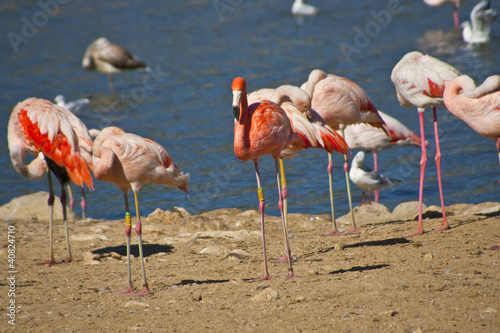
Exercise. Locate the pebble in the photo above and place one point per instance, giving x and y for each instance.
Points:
(266, 295)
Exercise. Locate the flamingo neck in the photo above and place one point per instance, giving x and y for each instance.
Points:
(34, 170)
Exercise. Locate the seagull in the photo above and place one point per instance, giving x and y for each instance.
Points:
(368, 179)
(73, 106)
(479, 28)
(300, 8)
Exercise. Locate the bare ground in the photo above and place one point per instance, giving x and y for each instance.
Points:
(197, 267)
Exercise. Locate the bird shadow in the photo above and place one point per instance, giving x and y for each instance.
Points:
(147, 249)
(382, 242)
(359, 269)
(192, 282)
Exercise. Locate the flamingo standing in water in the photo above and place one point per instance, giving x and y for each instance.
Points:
(420, 81)
(478, 107)
(108, 58)
(340, 102)
(261, 128)
(374, 139)
(311, 129)
(455, 3)
(129, 161)
(60, 141)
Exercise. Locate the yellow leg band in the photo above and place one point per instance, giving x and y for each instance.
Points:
(282, 171)
(128, 220)
(260, 193)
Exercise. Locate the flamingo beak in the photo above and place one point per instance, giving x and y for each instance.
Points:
(236, 104)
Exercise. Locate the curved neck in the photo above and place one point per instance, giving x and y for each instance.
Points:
(34, 171)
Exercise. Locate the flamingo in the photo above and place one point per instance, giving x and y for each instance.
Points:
(311, 129)
(455, 3)
(60, 142)
(129, 161)
(340, 102)
(301, 8)
(367, 179)
(108, 58)
(479, 28)
(261, 129)
(478, 107)
(373, 139)
(420, 81)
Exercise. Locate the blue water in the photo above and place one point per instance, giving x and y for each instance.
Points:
(195, 51)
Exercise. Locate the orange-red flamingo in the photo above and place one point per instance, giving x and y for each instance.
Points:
(311, 129)
(261, 129)
(374, 139)
(454, 3)
(129, 161)
(478, 107)
(420, 81)
(340, 102)
(108, 58)
(60, 141)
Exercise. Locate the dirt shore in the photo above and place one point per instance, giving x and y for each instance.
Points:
(198, 267)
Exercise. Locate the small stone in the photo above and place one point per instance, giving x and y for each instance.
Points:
(116, 255)
(266, 295)
(136, 304)
(90, 258)
(428, 257)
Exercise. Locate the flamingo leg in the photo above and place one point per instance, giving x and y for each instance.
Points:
(50, 202)
(65, 218)
(110, 80)
(455, 16)
(71, 199)
(262, 205)
(354, 229)
(283, 195)
(138, 231)
(335, 231)
(128, 230)
(83, 203)
(423, 162)
(438, 165)
(375, 167)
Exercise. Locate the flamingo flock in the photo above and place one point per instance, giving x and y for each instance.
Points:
(327, 112)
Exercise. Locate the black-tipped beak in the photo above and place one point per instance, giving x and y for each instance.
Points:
(236, 112)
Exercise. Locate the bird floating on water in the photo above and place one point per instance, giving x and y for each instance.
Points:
(301, 8)
(109, 58)
(73, 106)
(478, 29)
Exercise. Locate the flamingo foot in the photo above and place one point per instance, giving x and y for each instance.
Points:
(280, 260)
(416, 233)
(444, 227)
(493, 247)
(50, 262)
(351, 232)
(143, 292)
(266, 277)
(334, 232)
(67, 260)
(291, 276)
(129, 290)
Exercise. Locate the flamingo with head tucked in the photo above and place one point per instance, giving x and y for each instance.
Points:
(420, 81)
(478, 107)
(129, 161)
(60, 142)
(340, 102)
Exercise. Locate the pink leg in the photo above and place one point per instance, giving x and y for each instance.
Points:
(65, 219)
(423, 162)
(438, 165)
(138, 231)
(128, 231)
(375, 167)
(262, 206)
(455, 16)
(50, 202)
(354, 229)
(283, 194)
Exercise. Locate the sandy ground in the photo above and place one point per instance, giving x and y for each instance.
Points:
(198, 267)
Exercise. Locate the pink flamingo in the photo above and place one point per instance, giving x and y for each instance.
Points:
(340, 102)
(455, 3)
(60, 141)
(108, 58)
(420, 82)
(261, 129)
(478, 107)
(373, 139)
(311, 129)
(129, 161)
